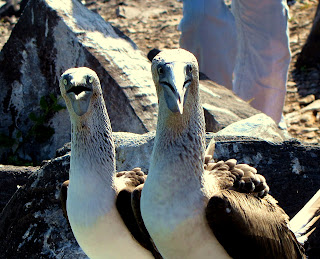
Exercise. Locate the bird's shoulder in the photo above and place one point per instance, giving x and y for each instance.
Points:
(239, 177)
(129, 179)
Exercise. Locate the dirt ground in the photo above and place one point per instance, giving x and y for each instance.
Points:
(153, 24)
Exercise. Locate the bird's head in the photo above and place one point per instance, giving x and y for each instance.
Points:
(176, 77)
(78, 86)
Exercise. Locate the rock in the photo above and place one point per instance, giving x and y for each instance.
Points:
(11, 179)
(291, 84)
(50, 37)
(260, 126)
(308, 99)
(314, 106)
(222, 107)
(291, 108)
(307, 117)
(133, 150)
(12, 7)
(293, 117)
(32, 224)
(127, 12)
(120, 12)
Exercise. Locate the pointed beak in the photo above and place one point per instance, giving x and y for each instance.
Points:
(173, 80)
(180, 107)
(180, 104)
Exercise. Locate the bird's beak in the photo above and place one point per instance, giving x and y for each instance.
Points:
(79, 92)
(173, 80)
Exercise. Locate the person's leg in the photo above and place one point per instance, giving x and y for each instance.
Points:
(263, 57)
(208, 31)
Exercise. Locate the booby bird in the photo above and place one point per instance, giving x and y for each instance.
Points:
(191, 212)
(103, 214)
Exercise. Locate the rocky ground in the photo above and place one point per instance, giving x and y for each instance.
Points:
(153, 24)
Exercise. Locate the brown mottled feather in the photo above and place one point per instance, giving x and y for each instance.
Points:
(135, 202)
(239, 177)
(230, 213)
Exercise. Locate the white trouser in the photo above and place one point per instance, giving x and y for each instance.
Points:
(249, 45)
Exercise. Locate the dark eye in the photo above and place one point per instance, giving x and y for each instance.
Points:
(160, 70)
(189, 69)
(89, 79)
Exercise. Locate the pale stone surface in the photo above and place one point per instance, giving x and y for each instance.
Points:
(259, 126)
(308, 99)
(50, 37)
(221, 106)
(314, 106)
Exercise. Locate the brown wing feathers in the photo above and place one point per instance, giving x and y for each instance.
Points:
(128, 205)
(135, 203)
(230, 213)
(238, 220)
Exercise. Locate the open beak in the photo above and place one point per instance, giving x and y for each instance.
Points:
(79, 91)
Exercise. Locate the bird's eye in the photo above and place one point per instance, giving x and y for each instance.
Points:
(160, 70)
(189, 69)
(65, 81)
(89, 80)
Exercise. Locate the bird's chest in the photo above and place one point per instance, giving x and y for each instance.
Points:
(191, 238)
(99, 229)
(165, 208)
(105, 238)
(88, 199)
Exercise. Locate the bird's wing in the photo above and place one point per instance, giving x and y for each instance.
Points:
(63, 198)
(239, 177)
(128, 205)
(307, 219)
(135, 202)
(250, 227)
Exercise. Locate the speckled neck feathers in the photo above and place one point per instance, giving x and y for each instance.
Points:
(92, 137)
(176, 137)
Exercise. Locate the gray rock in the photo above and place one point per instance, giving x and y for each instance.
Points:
(222, 107)
(133, 150)
(11, 179)
(32, 224)
(50, 37)
(260, 126)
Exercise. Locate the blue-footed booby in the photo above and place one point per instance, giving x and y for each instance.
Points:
(104, 215)
(191, 212)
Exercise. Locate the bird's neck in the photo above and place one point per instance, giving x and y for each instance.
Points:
(180, 142)
(174, 181)
(92, 148)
